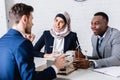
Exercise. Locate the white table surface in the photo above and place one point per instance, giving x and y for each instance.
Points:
(86, 74)
(80, 74)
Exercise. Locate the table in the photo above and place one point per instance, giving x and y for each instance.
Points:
(80, 74)
(86, 74)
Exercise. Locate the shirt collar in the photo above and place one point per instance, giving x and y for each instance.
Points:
(103, 35)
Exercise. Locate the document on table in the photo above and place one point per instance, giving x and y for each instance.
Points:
(112, 71)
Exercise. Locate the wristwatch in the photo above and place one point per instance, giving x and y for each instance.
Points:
(92, 64)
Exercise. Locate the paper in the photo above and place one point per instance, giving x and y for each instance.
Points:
(39, 61)
(112, 71)
(69, 56)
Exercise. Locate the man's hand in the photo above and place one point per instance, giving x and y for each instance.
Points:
(30, 37)
(79, 54)
(81, 63)
(60, 62)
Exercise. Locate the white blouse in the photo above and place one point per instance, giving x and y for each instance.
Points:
(58, 45)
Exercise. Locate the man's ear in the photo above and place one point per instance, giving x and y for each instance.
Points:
(24, 19)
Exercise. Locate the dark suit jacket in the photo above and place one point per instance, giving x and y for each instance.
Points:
(16, 59)
(47, 40)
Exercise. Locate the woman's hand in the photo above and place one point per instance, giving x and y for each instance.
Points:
(46, 55)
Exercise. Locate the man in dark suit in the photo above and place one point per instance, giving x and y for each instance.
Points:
(16, 51)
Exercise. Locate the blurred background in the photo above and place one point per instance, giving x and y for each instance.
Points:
(81, 13)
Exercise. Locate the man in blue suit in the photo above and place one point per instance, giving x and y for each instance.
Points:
(16, 52)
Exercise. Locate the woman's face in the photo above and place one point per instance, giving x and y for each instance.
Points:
(59, 24)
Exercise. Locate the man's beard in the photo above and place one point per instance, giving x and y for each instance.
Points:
(28, 30)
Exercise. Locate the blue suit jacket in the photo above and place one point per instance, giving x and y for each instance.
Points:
(16, 59)
(47, 40)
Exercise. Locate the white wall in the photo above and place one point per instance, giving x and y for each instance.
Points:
(81, 14)
(3, 21)
(9, 4)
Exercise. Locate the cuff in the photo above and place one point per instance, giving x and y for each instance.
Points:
(55, 68)
(95, 63)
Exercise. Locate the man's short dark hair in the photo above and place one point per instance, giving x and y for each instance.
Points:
(18, 10)
(104, 15)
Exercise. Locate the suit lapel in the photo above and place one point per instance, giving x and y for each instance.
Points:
(65, 45)
(104, 42)
(51, 43)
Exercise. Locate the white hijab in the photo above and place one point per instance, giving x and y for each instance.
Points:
(65, 31)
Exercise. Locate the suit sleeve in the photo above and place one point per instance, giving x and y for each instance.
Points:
(114, 59)
(39, 45)
(24, 59)
(74, 40)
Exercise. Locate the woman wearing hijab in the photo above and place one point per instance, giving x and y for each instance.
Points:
(57, 40)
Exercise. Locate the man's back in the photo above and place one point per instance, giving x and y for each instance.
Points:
(10, 57)
(16, 52)
(17, 59)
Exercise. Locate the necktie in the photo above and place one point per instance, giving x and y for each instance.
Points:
(99, 46)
